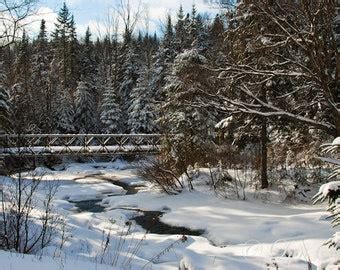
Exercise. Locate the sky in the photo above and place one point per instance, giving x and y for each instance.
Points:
(93, 13)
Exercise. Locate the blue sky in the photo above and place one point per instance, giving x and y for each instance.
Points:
(93, 13)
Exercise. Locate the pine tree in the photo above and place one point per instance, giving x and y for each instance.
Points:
(41, 96)
(168, 39)
(85, 109)
(110, 111)
(87, 62)
(61, 106)
(180, 30)
(216, 42)
(105, 55)
(66, 49)
(4, 103)
(194, 125)
(193, 26)
(61, 40)
(198, 33)
(73, 57)
(142, 112)
(64, 113)
(216, 31)
(22, 111)
(182, 87)
(162, 63)
(129, 78)
(89, 72)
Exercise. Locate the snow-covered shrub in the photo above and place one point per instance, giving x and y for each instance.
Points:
(181, 151)
(115, 242)
(161, 173)
(225, 185)
(28, 223)
(331, 191)
(192, 173)
(191, 128)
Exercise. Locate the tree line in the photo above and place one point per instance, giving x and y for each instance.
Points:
(64, 84)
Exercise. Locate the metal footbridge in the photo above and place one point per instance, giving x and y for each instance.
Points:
(40, 145)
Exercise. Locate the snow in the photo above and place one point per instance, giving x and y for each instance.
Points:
(336, 141)
(336, 240)
(255, 220)
(225, 123)
(250, 234)
(13, 261)
(330, 160)
(325, 189)
(88, 190)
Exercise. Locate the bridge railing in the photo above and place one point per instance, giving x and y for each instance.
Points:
(78, 144)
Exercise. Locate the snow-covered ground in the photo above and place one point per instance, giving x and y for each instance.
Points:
(251, 234)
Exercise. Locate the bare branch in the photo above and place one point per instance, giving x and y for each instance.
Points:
(13, 14)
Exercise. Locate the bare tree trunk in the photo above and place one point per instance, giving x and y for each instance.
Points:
(264, 155)
(337, 121)
(264, 148)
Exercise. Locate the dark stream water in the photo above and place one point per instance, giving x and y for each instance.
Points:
(148, 220)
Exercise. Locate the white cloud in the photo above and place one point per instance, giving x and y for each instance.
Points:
(34, 21)
(86, 12)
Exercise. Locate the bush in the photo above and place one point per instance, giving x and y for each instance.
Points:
(331, 191)
(26, 226)
(162, 174)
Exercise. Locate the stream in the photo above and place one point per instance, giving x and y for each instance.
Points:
(148, 220)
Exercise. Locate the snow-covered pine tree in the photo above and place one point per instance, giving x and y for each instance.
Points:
(87, 62)
(106, 55)
(85, 109)
(60, 103)
(142, 112)
(169, 36)
(215, 40)
(89, 72)
(66, 50)
(60, 42)
(194, 125)
(162, 63)
(22, 111)
(260, 61)
(110, 111)
(180, 34)
(4, 103)
(198, 34)
(129, 72)
(39, 80)
(73, 57)
(64, 113)
(331, 191)
(183, 87)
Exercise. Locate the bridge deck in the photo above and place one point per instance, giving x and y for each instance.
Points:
(35, 145)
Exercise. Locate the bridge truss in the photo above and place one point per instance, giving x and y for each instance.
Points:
(39, 145)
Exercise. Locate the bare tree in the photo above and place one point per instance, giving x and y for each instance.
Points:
(109, 27)
(223, 4)
(300, 48)
(130, 13)
(13, 18)
(282, 64)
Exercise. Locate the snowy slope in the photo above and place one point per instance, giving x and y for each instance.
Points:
(238, 234)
